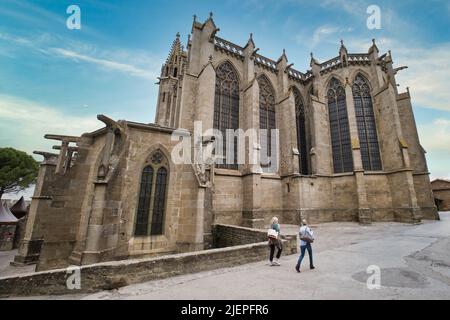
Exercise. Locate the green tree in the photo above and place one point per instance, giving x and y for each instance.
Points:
(18, 170)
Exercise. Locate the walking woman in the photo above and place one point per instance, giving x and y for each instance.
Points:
(275, 242)
(306, 238)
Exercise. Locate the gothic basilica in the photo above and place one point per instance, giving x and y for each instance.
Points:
(348, 151)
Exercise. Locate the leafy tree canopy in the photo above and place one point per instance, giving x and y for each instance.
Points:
(18, 170)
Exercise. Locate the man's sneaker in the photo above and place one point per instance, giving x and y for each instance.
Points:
(276, 263)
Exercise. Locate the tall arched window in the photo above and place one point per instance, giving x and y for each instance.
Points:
(339, 128)
(266, 120)
(367, 130)
(301, 132)
(226, 109)
(152, 196)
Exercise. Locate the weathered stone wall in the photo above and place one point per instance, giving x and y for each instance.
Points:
(20, 232)
(7, 233)
(379, 197)
(110, 275)
(228, 198)
(61, 217)
(425, 199)
(228, 235)
(410, 134)
(142, 144)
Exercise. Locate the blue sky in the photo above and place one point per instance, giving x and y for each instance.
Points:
(56, 80)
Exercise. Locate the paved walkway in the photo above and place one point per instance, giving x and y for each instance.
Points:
(414, 262)
(7, 270)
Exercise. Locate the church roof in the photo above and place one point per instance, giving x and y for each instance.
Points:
(20, 208)
(269, 64)
(442, 180)
(6, 217)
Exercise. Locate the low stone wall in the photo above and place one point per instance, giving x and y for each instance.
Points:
(228, 236)
(111, 275)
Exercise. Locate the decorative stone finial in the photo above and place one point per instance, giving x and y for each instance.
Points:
(195, 18)
(251, 36)
(210, 15)
(373, 42)
(178, 35)
(312, 56)
(342, 42)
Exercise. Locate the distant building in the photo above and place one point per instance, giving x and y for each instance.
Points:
(441, 191)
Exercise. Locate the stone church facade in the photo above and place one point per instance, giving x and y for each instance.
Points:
(349, 151)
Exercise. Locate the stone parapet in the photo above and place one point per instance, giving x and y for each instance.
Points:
(111, 275)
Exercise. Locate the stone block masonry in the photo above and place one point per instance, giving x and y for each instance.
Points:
(228, 236)
(111, 275)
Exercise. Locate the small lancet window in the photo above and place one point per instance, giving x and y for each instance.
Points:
(152, 200)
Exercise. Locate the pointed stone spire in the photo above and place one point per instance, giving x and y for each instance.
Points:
(313, 60)
(210, 20)
(373, 51)
(343, 49)
(172, 67)
(249, 57)
(283, 57)
(343, 54)
(315, 66)
(373, 47)
(250, 42)
(175, 50)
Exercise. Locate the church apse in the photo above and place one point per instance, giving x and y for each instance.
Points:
(348, 146)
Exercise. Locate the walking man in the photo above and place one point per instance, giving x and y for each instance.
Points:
(306, 238)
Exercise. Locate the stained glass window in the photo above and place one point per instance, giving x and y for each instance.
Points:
(144, 201)
(152, 196)
(301, 132)
(367, 130)
(339, 128)
(266, 120)
(226, 109)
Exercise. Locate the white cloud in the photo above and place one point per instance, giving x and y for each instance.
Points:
(134, 63)
(428, 75)
(435, 136)
(357, 8)
(104, 63)
(23, 124)
(324, 33)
